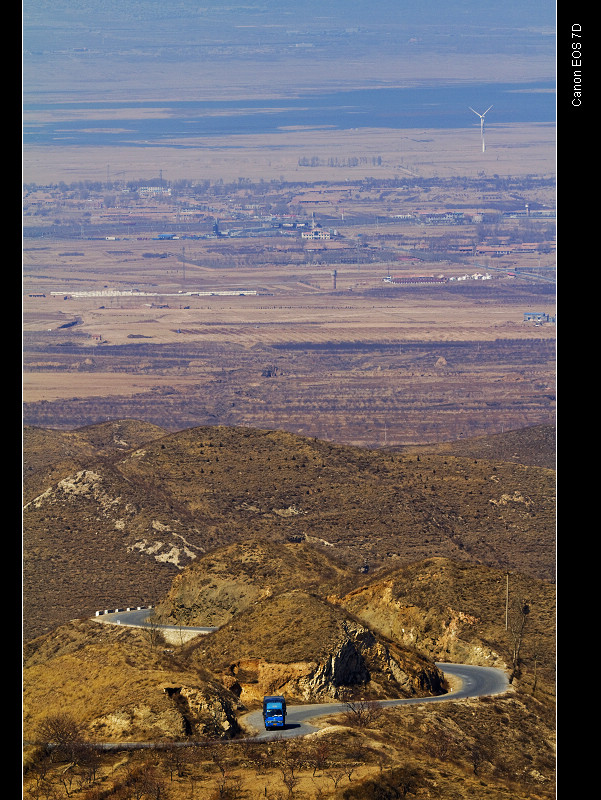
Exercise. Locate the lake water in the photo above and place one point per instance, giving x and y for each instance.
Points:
(417, 107)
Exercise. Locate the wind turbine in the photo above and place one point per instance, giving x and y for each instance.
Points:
(481, 124)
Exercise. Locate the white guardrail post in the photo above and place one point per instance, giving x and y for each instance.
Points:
(119, 610)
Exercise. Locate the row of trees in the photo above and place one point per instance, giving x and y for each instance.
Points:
(205, 186)
(66, 765)
(352, 161)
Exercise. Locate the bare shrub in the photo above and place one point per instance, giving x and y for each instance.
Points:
(362, 713)
(399, 782)
(61, 734)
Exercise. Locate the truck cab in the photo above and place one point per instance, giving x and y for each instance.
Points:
(274, 712)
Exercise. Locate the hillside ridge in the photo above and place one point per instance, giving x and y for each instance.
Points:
(115, 525)
(380, 640)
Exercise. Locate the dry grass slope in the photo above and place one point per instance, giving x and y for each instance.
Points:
(120, 685)
(115, 531)
(231, 579)
(112, 681)
(277, 525)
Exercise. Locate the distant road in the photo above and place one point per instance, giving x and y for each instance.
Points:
(470, 681)
(139, 619)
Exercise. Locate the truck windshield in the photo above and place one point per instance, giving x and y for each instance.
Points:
(274, 707)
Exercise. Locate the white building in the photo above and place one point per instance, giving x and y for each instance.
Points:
(316, 234)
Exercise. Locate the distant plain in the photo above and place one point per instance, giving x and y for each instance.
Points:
(204, 363)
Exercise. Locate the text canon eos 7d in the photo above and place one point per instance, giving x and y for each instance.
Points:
(577, 62)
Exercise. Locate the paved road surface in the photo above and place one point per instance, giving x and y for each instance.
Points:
(474, 682)
(139, 619)
(470, 681)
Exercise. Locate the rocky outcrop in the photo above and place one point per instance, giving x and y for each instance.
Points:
(174, 713)
(444, 633)
(358, 663)
(345, 667)
(143, 721)
(204, 711)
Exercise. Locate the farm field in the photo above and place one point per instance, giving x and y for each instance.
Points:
(259, 326)
(511, 150)
(129, 252)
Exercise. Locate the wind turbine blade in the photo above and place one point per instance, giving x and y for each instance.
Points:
(487, 110)
(475, 112)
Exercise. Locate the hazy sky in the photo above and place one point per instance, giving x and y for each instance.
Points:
(137, 47)
(510, 13)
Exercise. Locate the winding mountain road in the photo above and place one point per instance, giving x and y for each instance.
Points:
(472, 681)
(469, 681)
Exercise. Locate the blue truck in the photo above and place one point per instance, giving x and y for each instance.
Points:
(274, 712)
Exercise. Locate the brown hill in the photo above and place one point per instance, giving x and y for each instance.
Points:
(121, 684)
(231, 579)
(381, 637)
(299, 645)
(118, 685)
(535, 447)
(465, 613)
(50, 455)
(277, 605)
(116, 530)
